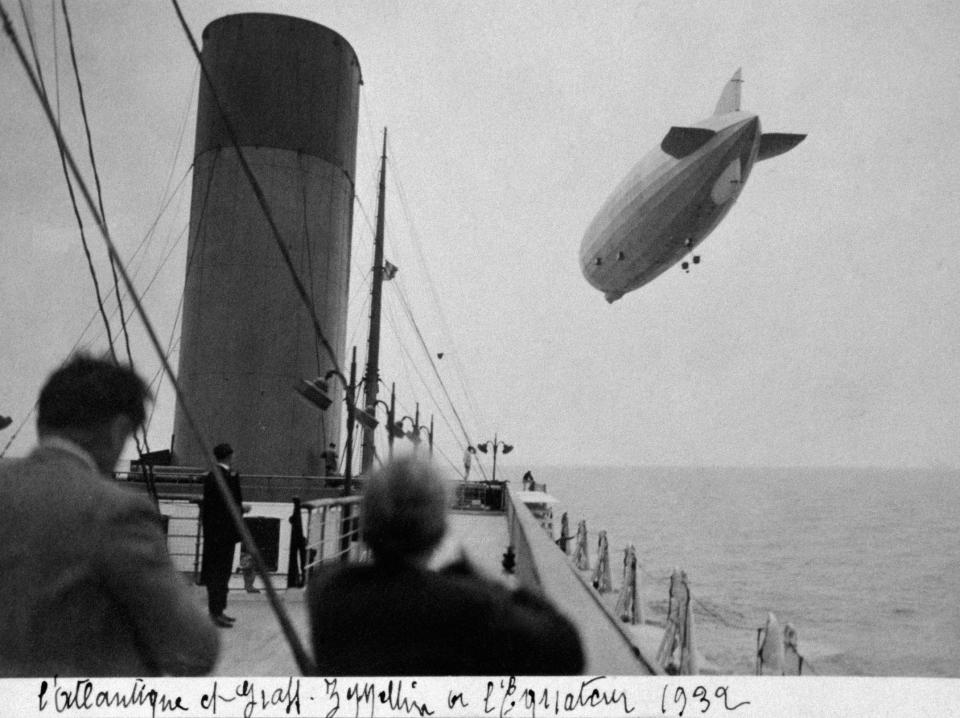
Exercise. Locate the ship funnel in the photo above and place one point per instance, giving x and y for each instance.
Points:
(290, 91)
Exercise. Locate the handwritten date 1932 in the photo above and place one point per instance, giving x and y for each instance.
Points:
(699, 699)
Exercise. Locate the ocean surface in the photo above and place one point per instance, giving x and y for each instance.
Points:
(864, 563)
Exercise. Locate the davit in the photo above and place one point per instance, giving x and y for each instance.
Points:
(674, 197)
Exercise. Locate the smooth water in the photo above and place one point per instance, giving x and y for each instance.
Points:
(864, 563)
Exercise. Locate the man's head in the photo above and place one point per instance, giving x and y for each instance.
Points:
(94, 403)
(404, 511)
(223, 453)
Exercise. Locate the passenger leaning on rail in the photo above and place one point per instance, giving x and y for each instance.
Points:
(394, 616)
(86, 583)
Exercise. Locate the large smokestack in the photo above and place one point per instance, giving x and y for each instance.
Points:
(290, 89)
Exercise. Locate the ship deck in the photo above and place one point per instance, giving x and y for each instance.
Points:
(255, 646)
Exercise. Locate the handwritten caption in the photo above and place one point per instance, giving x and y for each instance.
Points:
(501, 697)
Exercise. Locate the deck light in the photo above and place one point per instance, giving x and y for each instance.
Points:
(496, 445)
(315, 392)
(416, 428)
(366, 417)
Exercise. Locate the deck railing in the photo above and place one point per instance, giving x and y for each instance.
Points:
(181, 524)
(542, 567)
(333, 532)
(477, 495)
(332, 525)
(271, 488)
(181, 518)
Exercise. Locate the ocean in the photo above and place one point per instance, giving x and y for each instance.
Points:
(864, 563)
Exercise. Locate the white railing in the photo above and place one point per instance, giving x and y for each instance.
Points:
(333, 532)
(333, 524)
(181, 518)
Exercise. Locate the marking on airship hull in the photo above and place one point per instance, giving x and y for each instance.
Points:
(727, 186)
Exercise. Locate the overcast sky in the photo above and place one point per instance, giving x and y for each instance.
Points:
(821, 327)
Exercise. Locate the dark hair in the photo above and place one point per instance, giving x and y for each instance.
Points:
(222, 451)
(87, 393)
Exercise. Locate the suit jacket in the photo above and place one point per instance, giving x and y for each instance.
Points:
(87, 587)
(375, 619)
(218, 527)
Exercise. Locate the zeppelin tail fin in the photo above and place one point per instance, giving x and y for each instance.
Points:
(730, 97)
(776, 143)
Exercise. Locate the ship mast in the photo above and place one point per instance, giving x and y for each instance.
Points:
(372, 376)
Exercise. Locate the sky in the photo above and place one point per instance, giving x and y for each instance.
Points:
(820, 328)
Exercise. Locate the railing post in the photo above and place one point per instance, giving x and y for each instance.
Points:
(196, 547)
(346, 531)
(298, 548)
(323, 535)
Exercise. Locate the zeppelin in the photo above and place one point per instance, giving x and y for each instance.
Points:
(674, 197)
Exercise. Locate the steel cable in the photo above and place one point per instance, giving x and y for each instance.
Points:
(304, 662)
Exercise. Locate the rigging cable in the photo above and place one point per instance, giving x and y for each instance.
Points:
(304, 173)
(93, 164)
(413, 322)
(167, 196)
(17, 431)
(147, 471)
(73, 198)
(163, 208)
(420, 376)
(158, 377)
(93, 318)
(405, 352)
(397, 333)
(163, 262)
(433, 364)
(181, 133)
(471, 402)
(103, 218)
(358, 326)
(304, 662)
(443, 416)
(141, 246)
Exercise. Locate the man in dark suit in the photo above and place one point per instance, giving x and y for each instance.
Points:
(86, 584)
(220, 535)
(396, 617)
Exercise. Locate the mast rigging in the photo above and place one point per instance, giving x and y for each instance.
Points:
(372, 375)
(304, 662)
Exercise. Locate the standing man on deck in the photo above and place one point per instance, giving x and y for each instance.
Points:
(220, 535)
(87, 586)
(330, 460)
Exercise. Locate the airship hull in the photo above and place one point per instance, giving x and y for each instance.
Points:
(672, 199)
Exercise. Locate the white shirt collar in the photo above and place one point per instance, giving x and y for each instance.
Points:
(70, 447)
